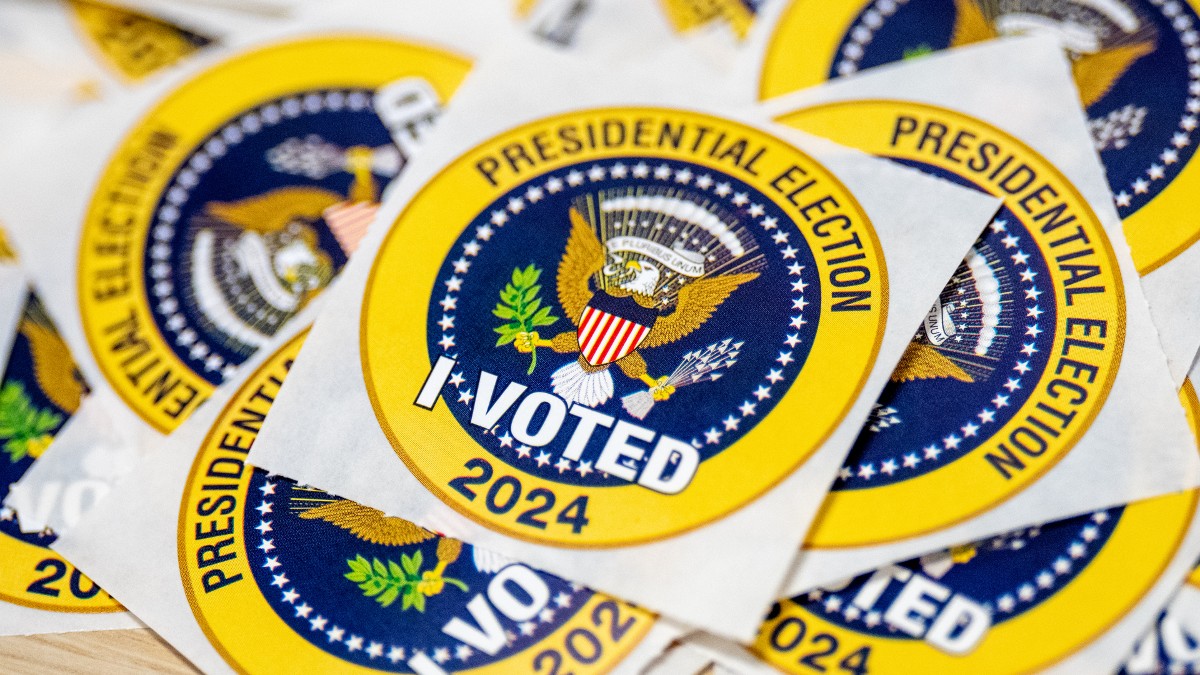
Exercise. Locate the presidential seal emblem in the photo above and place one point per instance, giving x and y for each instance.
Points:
(1135, 62)
(1019, 602)
(1016, 356)
(133, 44)
(40, 391)
(221, 215)
(633, 307)
(284, 577)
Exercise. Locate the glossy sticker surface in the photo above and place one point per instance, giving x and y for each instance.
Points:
(638, 321)
(1015, 358)
(235, 202)
(1136, 63)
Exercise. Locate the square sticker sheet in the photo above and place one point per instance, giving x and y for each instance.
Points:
(1037, 368)
(177, 266)
(614, 337)
(1134, 64)
(245, 571)
(40, 389)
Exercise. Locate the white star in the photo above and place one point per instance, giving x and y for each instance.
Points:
(799, 285)
(1141, 186)
(640, 170)
(795, 269)
(865, 471)
(506, 440)
(712, 436)
(1100, 517)
(1012, 384)
(683, 176)
(374, 650)
(562, 599)
(563, 464)
(447, 323)
(797, 321)
(1029, 349)
(1076, 550)
(290, 596)
(1090, 533)
(448, 303)
(873, 619)
(911, 460)
(747, 408)
(784, 358)
(1123, 198)
(969, 430)
(596, 173)
(527, 628)
(789, 253)
(554, 185)
(1020, 258)
(267, 488)
(1062, 565)
(546, 615)
(263, 508)
(999, 226)
(731, 423)
(1025, 592)
(851, 613)
(441, 654)
(1155, 172)
(266, 546)
(762, 392)
(584, 468)
(543, 458)
(471, 247)
(463, 652)
(318, 623)
(986, 416)
(1028, 275)
(1010, 241)
(951, 442)
(446, 342)
(723, 189)
(775, 376)
(499, 218)
(354, 643)
(662, 172)
(1169, 156)
(1006, 603)
(1032, 294)
(523, 451)
(888, 467)
(1034, 312)
(704, 182)
(740, 198)
(792, 340)
(574, 178)
(453, 284)
(770, 223)
(780, 237)
(1022, 367)
(304, 610)
(264, 526)
(833, 603)
(1045, 579)
(272, 563)
(1000, 401)
(932, 452)
(395, 654)
(756, 210)
(516, 205)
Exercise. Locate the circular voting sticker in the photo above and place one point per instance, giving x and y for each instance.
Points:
(236, 200)
(41, 389)
(639, 320)
(1136, 62)
(1017, 603)
(1015, 358)
(283, 577)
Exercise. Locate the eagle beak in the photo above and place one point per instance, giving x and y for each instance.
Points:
(633, 265)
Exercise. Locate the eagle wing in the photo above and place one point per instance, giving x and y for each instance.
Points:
(922, 362)
(697, 302)
(583, 257)
(368, 524)
(970, 25)
(53, 366)
(1095, 74)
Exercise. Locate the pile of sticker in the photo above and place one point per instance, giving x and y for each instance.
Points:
(589, 336)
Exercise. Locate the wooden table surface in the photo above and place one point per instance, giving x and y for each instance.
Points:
(114, 652)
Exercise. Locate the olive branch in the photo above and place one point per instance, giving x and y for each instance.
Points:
(521, 308)
(385, 581)
(24, 427)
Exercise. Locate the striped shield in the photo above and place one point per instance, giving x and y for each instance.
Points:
(611, 328)
(348, 221)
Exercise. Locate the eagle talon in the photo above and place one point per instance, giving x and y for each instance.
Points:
(527, 342)
(659, 388)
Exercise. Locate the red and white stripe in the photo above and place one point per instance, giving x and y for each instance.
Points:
(604, 337)
(348, 221)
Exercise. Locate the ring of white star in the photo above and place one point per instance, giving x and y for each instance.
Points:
(618, 170)
(873, 19)
(177, 195)
(1042, 585)
(987, 415)
(375, 648)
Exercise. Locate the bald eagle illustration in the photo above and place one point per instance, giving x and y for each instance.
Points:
(53, 366)
(1103, 39)
(368, 524)
(652, 271)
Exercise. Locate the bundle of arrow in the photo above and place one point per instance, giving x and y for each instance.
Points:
(585, 336)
